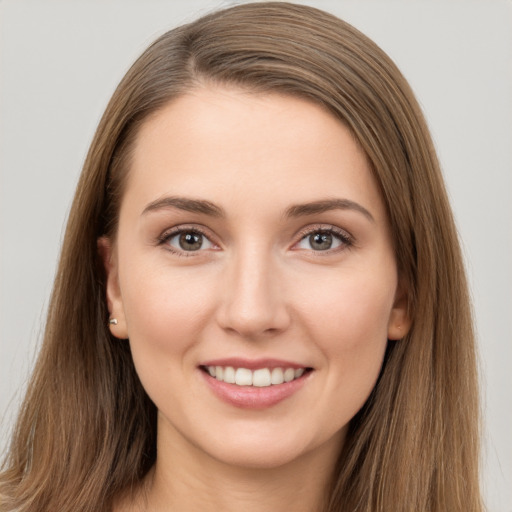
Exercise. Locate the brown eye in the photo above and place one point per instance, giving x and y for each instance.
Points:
(324, 240)
(320, 241)
(188, 241)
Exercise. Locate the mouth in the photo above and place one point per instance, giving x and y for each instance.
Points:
(258, 377)
(254, 383)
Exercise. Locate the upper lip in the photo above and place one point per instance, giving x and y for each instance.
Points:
(253, 364)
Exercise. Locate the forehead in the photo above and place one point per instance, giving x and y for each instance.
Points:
(255, 150)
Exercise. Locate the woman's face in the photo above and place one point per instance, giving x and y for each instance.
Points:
(253, 247)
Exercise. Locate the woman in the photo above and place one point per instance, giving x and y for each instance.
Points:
(261, 214)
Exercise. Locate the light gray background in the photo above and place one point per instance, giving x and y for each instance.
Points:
(60, 60)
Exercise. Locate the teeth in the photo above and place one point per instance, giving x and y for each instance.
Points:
(229, 375)
(277, 376)
(263, 377)
(289, 374)
(243, 377)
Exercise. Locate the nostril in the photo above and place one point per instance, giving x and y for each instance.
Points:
(253, 323)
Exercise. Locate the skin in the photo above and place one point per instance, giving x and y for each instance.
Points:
(255, 288)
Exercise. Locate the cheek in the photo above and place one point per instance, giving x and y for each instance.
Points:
(355, 307)
(165, 311)
(350, 330)
(348, 320)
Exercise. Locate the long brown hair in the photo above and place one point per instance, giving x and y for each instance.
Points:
(86, 431)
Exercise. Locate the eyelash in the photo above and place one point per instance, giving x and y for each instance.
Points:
(342, 236)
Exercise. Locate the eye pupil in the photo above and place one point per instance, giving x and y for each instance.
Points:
(191, 241)
(320, 241)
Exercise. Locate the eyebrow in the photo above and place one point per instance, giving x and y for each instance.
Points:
(186, 204)
(299, 210)
(326, 205)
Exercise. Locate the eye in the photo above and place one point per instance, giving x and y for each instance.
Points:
(187, 240)
(323, 240)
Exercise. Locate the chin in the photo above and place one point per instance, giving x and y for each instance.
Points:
(269, 451)
(256, 457)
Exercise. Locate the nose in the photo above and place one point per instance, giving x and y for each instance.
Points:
(253, 296)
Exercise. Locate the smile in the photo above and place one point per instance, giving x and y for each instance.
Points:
(254, 384)
(261, 377)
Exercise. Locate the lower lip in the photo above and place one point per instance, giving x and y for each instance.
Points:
(253, 397)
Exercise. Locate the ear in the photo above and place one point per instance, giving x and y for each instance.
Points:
(107, 253)
(399, 318)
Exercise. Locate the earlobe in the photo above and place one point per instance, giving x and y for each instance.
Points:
(400, 318)
(106, 251)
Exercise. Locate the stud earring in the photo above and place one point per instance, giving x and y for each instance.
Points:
(112, 321)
